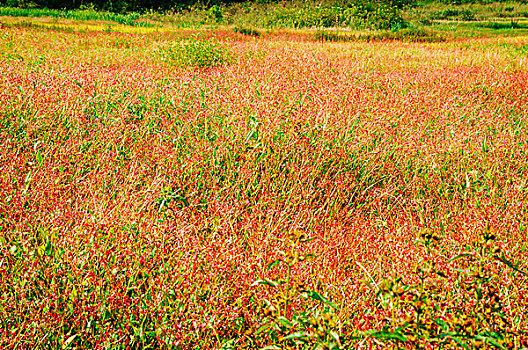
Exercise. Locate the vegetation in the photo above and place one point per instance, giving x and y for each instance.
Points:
(406, 34)
(84, 14)
(264, 176)
(196, 53)
(350, 14)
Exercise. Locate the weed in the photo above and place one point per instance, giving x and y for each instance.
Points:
(284, 327)
(197, 53)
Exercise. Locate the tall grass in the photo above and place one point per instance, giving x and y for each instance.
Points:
(405, 34)
(81, 15)
(308, 194)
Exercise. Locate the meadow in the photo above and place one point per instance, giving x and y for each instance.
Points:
(216, 189)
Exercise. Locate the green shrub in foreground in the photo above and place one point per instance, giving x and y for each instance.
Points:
(197, 53)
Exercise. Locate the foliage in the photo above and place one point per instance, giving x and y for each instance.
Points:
(117, 6)
(215, 14)
(197, 53)
(464, 14)
(247, 31)
(406, 34)
(418, 318)
(139, 203)
(503, 25)
(80, 15)
(375, 16)
(282, 327)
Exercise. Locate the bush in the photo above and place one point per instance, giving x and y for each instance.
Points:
(215, 14)
(197, 53)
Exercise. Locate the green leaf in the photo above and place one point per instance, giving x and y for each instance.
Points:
(296, 335)
(390, 335)
(316, 296)
(271, 347)
(228, 345)
(68, 341)
(461, 270)
(461, 342)
(441, 324)
(448, 334)
(39, 159)
(493, 342)
(267, 282)
(369, 285)
(489, 335)
(440, 273)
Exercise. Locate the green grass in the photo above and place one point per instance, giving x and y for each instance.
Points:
(496, 11)
(503, 25)
(281, 15)
(132, 19)
(477, 29)
(405, 34)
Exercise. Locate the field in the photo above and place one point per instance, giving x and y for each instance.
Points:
(207, 189)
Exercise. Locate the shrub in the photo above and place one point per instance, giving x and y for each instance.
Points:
(467, 15)
(215, 14)
(197, 53)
